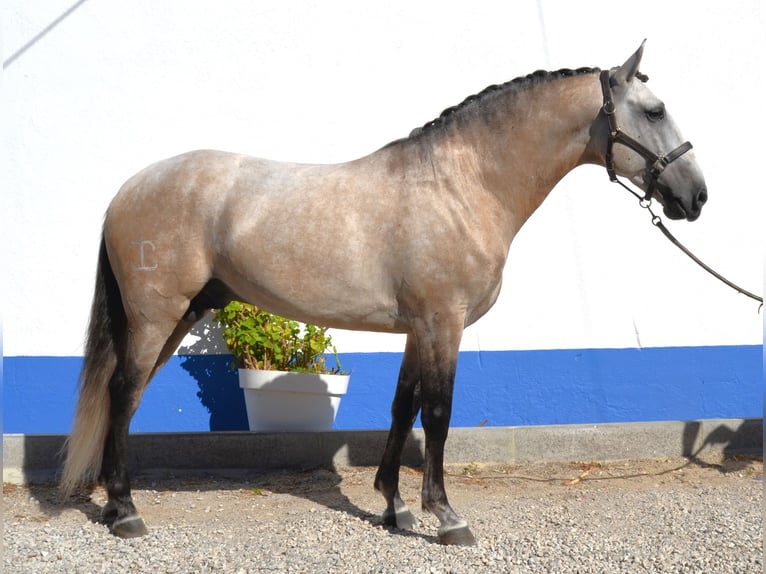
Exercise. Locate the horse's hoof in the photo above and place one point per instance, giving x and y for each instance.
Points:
(457, 536)
(402, 519)
(129, 527)
(405, 520)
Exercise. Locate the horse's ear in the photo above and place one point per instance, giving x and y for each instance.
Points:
(625, 73)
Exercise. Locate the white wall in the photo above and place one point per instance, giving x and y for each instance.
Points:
(115, 85)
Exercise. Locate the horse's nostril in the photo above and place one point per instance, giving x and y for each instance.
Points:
(702, 197)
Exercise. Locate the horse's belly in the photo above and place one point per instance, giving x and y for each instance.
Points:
(347, 299)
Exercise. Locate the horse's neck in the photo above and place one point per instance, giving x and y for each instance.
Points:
(536, 141)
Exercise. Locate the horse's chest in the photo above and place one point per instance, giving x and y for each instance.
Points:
(483, 279)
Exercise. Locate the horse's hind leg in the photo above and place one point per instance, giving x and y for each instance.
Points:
(403, 412)
(149, 346)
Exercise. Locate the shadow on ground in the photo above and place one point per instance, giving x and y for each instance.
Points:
(318, 480)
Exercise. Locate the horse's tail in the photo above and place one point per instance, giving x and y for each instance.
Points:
(106, 334)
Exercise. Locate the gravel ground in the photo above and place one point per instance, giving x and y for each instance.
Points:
(632, 516)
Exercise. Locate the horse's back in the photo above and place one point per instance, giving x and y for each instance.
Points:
(341, 245)
(277, 234)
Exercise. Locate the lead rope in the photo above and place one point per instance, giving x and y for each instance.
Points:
(646, 203)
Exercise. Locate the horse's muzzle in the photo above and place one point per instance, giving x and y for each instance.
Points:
(699, 199)
(676, 208)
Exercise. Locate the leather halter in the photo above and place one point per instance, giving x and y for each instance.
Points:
(656, 163)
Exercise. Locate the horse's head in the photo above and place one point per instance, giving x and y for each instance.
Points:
(653, 154)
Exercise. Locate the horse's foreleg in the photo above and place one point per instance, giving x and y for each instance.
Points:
(438, 350)
(403, 412)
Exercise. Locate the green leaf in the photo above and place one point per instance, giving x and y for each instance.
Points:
(258, 339)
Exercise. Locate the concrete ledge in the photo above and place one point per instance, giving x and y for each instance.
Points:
(34, 458)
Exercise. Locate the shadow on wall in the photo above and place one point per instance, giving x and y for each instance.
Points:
(210, 363)
(745, 439)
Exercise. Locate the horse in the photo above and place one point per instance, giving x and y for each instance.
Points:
(417, 242)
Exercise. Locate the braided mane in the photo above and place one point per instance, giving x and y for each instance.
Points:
(538, 77)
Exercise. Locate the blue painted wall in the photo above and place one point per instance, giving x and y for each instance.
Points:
(200, 393)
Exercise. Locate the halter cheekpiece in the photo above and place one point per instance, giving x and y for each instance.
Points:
(656, 162)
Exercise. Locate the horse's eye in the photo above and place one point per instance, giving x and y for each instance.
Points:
(656, 114)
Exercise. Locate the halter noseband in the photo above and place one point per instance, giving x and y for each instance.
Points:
(656, 163)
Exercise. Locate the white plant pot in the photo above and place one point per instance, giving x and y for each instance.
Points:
(284, 401)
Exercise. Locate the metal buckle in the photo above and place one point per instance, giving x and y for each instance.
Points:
(659, 165)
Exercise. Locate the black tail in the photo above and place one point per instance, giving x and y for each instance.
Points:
(105, 341)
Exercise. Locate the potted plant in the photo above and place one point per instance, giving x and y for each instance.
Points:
(283, 370)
